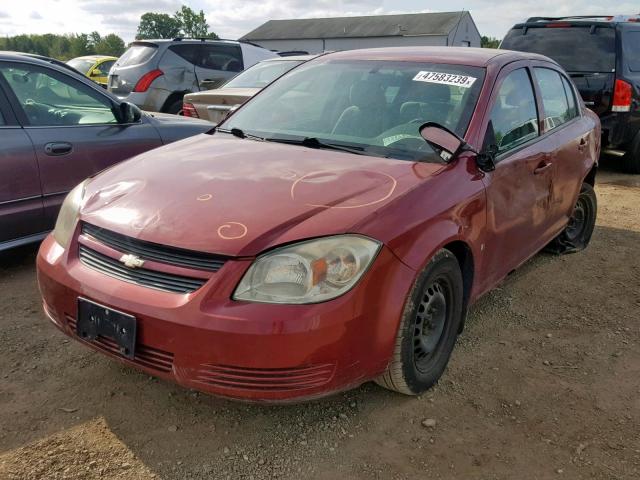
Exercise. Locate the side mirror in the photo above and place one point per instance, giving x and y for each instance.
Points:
(446, 143)
(486, 159)
(97, 73)
(129, 113)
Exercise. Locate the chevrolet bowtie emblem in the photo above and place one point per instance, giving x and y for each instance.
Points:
(131, 261)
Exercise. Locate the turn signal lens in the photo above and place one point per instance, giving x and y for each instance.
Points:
(622, 95)
(146, 80)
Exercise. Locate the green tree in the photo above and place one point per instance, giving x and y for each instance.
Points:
(193, 24)
(157, 25)
(489, 42)
(112, 45)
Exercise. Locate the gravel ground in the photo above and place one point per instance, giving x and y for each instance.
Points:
(544, 383)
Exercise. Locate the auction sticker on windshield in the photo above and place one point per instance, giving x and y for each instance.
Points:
(464, 81)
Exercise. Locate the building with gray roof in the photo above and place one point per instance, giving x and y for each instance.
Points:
(315, 35)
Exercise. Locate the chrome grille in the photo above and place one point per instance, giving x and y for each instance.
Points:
(153, 251)
(141, 276)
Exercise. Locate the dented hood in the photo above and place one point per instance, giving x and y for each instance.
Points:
(221, 194)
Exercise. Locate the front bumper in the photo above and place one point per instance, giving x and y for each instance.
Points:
(257, 352)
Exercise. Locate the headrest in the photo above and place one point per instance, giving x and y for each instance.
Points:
(365, 94)
(438, 93)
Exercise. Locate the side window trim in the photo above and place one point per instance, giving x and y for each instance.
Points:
(23, 119)
(6, 108)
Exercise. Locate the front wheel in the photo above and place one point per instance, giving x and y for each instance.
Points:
(428, 329)
(577, 234)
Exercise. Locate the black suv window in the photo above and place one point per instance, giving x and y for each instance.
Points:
(554, 98)
(227, 58)
(189, 52)
(631, 50)
(514, 118)
(576, 48)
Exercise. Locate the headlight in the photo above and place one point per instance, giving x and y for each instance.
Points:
(66, 222)
(308, 272)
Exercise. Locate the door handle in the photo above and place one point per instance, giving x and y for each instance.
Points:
(543, 167)
(57, 148)
(584, 141)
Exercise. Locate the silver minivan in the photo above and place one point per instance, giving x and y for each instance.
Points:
(156, 74)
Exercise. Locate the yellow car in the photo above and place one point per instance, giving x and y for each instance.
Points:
(96, 67)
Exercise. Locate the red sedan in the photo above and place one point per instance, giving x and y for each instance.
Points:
(333, 230)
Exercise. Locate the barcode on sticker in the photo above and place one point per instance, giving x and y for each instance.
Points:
(464, 81)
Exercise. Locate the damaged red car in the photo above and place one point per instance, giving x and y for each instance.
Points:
(333, 230)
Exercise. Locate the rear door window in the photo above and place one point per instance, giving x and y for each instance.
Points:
(571, 98)
(554, 98)
(514, 118)
(226, 58)
(189, 52)
(576, 48)
(106, 66)
(632, 50)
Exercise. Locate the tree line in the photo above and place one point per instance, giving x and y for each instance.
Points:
(185, 22)
(65, 47)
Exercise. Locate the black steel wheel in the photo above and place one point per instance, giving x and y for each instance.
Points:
(577, 234)
(430, 322)
(428, 329)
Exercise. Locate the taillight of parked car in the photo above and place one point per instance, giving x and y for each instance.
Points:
(622, 95)
(188, 110)
(146, 80)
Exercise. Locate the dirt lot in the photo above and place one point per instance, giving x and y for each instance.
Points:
(544, 383)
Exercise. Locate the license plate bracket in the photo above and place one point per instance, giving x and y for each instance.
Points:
(96, 320)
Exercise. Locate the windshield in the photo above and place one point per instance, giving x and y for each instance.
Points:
(577, 49)
(83, 66)
(136, 55)
(376, 107)
(262, 74)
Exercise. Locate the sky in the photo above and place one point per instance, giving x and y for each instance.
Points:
(233, 18)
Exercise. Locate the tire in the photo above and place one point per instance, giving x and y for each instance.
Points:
(577, 234)
(631, 160)
(419, 359)
(175, 108)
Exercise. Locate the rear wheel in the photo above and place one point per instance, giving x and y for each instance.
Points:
(631, 160)
(175, 107)
(428, 329)
(577, 234)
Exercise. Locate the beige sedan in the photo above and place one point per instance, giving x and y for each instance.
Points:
(214, 105)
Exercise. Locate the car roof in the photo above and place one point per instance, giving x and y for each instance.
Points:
(584, 19)
(162, 41)
(476, 57)
(38, 60)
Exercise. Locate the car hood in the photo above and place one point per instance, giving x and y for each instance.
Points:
(238, 197)
(222, 96)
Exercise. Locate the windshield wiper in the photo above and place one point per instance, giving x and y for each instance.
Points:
(236, 132)
(313, 142)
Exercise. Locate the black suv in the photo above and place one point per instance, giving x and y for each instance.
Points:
(602, 56)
